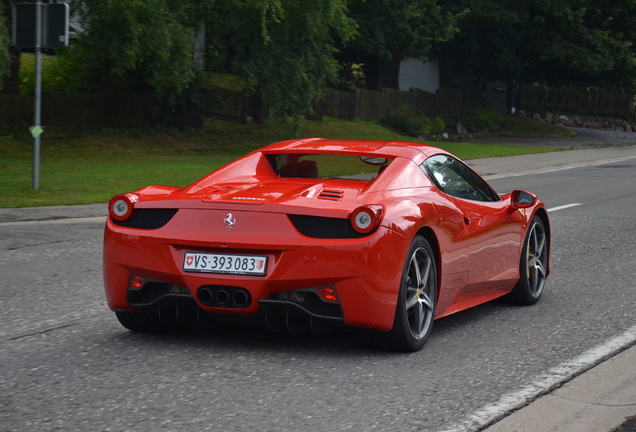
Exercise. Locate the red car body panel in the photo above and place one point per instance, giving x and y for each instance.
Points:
(478, 244)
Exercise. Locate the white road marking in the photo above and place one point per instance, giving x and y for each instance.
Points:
(545, 383)
(553, 209)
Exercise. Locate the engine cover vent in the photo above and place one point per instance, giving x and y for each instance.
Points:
(334, 195)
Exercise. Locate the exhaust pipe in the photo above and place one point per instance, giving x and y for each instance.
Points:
(225, 297)
(222, 297)
(240, 298)
(205, 296)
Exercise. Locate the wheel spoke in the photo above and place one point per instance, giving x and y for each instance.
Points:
(536, 275)
(417, 321)
(533, 239)
(411, 298)
(419, 292)
(540, 268)
(425, 301)
(539, 247)
(427, 271)
(416, 268)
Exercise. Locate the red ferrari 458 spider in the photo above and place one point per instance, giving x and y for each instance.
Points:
(313, 233)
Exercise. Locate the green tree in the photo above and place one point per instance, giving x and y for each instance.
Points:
(392, 30)
(489, 38)
(575, 40)
(283, 49)
(137, 45)
(549, 40)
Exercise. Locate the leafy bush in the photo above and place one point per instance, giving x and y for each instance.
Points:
(479, 119)
(438, 126)
(411, 123)
(405, 121)
(351, 77)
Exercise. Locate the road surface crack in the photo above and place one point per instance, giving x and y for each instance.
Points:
(39, 332)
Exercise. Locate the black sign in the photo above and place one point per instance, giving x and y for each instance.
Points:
(54, 25)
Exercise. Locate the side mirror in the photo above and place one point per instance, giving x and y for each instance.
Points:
(522, 199)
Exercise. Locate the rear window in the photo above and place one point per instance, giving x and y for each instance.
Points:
(341, 166)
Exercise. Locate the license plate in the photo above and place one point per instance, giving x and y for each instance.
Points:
(225, 263)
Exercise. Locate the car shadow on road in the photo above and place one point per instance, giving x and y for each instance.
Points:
(343, 342)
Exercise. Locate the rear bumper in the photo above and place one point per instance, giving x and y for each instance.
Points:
(364, 272)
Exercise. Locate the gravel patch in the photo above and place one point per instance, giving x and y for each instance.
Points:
(585, 138)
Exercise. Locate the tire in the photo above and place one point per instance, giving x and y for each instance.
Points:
(415, 309)
(144, 322)
(533, 266)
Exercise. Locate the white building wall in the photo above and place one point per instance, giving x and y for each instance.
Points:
(415, 73)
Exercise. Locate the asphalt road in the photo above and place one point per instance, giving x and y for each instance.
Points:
(66, 364)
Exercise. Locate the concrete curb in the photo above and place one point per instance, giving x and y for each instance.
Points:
(601, 399)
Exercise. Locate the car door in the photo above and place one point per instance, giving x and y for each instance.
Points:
(493, 230)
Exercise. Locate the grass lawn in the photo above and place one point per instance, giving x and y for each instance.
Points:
(91, 168)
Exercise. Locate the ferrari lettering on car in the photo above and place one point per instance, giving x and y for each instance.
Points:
(317, 234)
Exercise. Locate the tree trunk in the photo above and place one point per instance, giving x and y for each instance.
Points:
(389, 73)
(199, 48)
(259, 115)
(11, 81)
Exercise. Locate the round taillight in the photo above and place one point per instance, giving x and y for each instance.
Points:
(366, 218)
(121, 207)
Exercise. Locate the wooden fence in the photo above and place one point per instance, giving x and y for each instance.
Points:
(119, 110)
(90, 111)
(16, 113)
(233, 105)
(227, 104)
(376, 104)
(112, 110)
(63, 111)
(575, 98)
(127, 110)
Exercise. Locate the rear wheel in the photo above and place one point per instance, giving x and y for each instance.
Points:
(533, 266)
(144, 322)
(415, 310)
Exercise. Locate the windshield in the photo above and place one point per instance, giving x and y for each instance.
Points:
(341, 166)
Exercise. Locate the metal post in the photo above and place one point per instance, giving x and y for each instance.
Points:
(37, 129)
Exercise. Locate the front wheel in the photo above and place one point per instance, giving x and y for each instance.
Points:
(533, 266)
(415, 310)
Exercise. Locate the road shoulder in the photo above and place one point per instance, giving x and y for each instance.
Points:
(601, 399)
